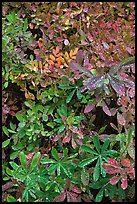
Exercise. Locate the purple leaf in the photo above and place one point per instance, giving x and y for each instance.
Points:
(89, 107)
(73, 143)
(118, 86)
(105, 108)
(121, 120)
(79, 57)
(94, 82)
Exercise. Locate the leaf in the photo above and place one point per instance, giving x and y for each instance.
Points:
(89, 108)
(56, 138)
(5, 143)
(5, 130)
(14, 165)
(94, 82)
(125, 162)
(47, 161)
(67, 172)
(52, 57)
(66, 138)
(114, 180)
(12, 126)
(86, 162)
(105, 108)
(23, 160)
(35, 161)
(25, 25)
(55, 154)
(121, 120)
(19, 116)
(99, 196)
(61, 128)
(124, 183)
(27, 104)
(70, 96)
(88, 149)
(96, 172)
(13, 155)
(11, 199)
(61, 197)
(96, 143)
(118, 86)
(84, 177)
(52, 168)
(73, 143)
(98, 184)
(105, 146)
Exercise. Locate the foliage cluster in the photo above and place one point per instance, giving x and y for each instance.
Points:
(68, 101)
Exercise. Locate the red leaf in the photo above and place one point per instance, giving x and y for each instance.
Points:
(75, 189)
(121, 120)
(73, 143)
(61, 197)
(124, 183)
(125, 162)
(113, 162)
(29, 156)
(56, 138)
(105, 108)
(66, 138)
(110, 169)
(59, 39)
(114, 180)
(89, 108)
(71, 197)
(132, 92)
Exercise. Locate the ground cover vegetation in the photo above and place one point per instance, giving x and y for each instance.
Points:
(68, 101)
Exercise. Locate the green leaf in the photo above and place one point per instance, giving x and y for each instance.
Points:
(63, 110)
(50, 124)
(14, 165)
(86, 162)
(5, 143)
(70, 96)
(12, 126)
(88, 149)
(9, 171)
(5, 130)
(100, 183)
(19, 117)
(105, 145)
(25, 195)
(18, 146)
(79, 95)
(31, 192)
(67, 172)
(96, 143)
(11, 199)
(130, 134)
(27, 104)
(96, 172)
(58, 170)
(55, 154)
(101, 130)
(25, 25)
(35, 161)
(23, 160)
(65, 152)
(6, 84)
(61, 128)
(99, 196)
(52, 168)
(47, 161)
(13, 155)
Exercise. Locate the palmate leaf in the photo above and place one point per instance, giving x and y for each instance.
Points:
(55, 154)
(70, 96)
(23, 160)
(85, 177)
(86, 162)
(96, 172)
(105, 145)
(88, 149)
(35, 161)
(96, 143)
